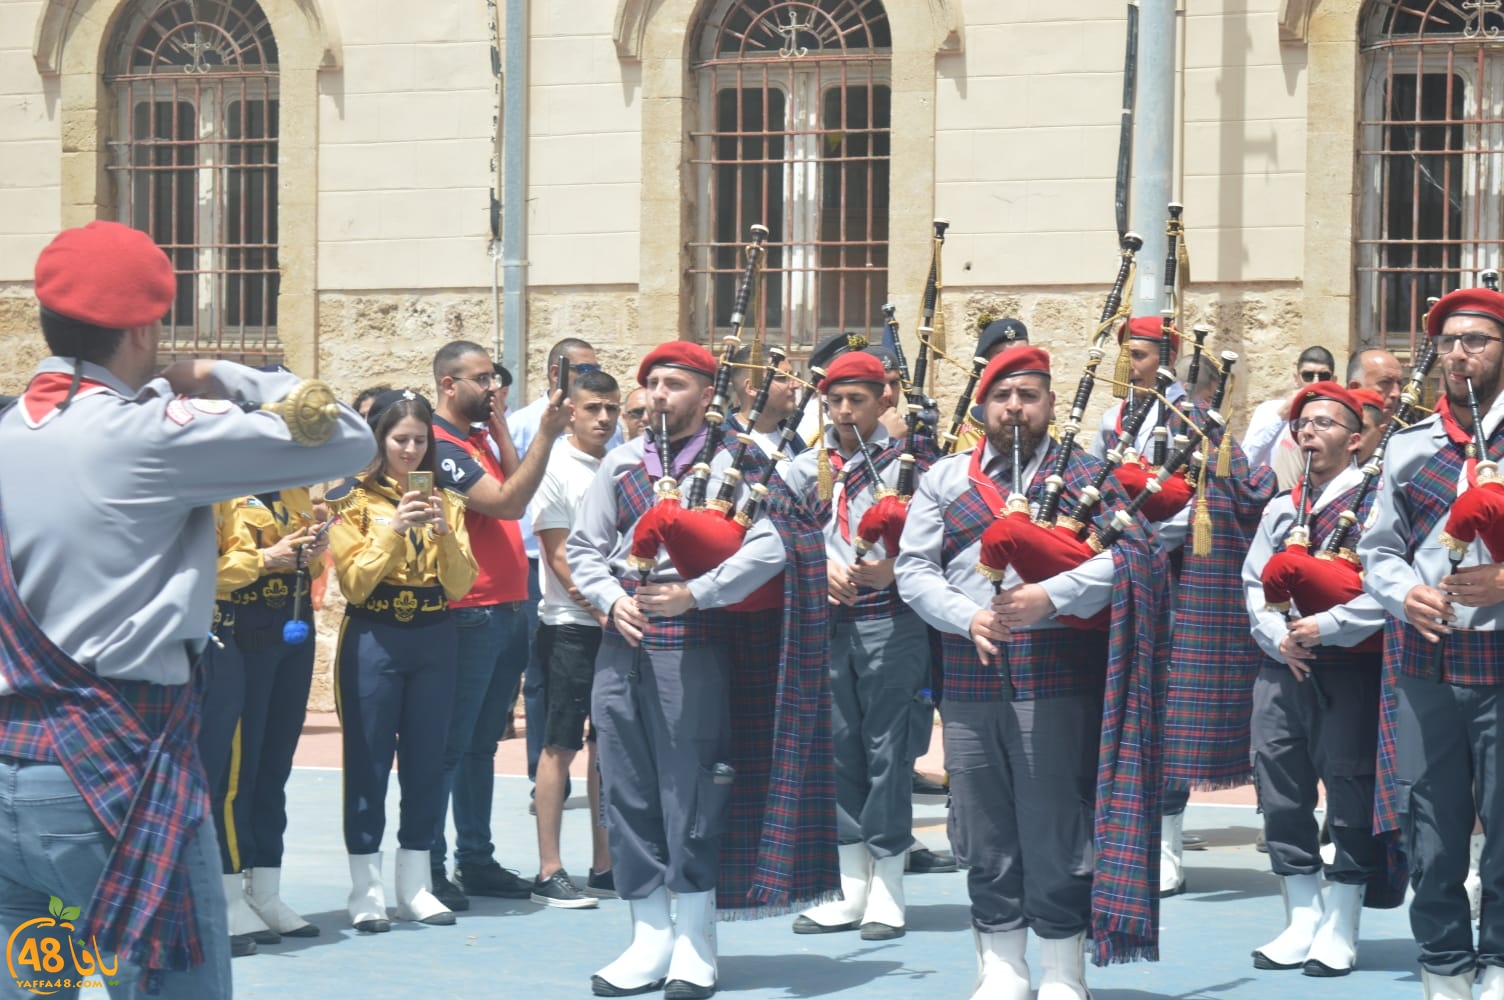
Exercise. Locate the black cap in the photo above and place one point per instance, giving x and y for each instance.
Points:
(390, 397)
(1001, 333)
(885, 355)
(834, 346)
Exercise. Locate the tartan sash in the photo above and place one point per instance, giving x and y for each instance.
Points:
(1213, 660)
(144, 784)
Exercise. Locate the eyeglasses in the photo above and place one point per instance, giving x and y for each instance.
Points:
(584, 367)
(1472, 343)
(1316, 376)
(638, 413)
(1320, 423)
(483, 381)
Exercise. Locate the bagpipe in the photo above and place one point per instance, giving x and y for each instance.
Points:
(1479, 512)
(699, 536)
(1298, 579)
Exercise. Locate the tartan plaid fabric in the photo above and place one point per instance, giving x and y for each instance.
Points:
(694, 628)
(1125, 897)
(140, 777)
(1213, 659)
(1037, 668)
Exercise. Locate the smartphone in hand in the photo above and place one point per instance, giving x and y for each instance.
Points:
(422, 482)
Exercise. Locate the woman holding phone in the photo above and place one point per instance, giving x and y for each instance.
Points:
(401, 554)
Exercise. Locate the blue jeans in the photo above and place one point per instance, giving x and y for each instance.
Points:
(53, 846)
(492, 656)
(533, 702)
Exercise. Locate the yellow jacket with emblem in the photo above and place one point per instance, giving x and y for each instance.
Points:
(368, 552)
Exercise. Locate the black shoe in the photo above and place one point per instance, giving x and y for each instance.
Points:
(683, 989)
(267, 936)
(1321, 970)
(557, 890)
(804, 925)
(448, 893)
(874, 931)
(1192, 842)
(376, 925)
(601, 988)
(923, 861)
(242, 945)
(601, 885)
(491, 879)
(928, 786)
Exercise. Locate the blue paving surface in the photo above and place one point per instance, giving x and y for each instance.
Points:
(502, 948)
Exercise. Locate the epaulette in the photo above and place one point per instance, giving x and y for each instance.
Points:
(455, 497)
(347, 495)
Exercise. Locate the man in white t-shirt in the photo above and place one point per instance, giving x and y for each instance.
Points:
(569, 634)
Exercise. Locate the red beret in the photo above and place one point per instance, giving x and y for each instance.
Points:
(1021, 359)
(1324, 390)
(854, 366)
(683, 354)
(106, 274)
(1465, 302)
(1149, 328)
(1368, 397)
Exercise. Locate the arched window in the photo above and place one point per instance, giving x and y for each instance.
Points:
(794, 111)
(194, 163)
(1430, 158)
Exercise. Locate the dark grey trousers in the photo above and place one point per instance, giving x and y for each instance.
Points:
(1296, 740)
(663, 730)
(880, 722)
(1450, 756)
(1023, 791)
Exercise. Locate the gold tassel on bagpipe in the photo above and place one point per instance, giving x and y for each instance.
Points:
(825, 478)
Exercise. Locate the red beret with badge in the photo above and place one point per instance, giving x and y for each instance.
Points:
(1022, 359)
(107, 275)
(854, 366)
(1324, 390)
(1465, 302)
(684, 354)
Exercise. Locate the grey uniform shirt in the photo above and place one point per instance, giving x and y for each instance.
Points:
(1108, 436)
(597, 552)
(107, 509)
(802, 476)
(1344, 625)
(947, 598)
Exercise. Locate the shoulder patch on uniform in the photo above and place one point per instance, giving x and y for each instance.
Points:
(455, 497)
(252, 502)
(211, 407)
(178, 412)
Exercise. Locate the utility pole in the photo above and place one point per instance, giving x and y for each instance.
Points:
(1153, 149)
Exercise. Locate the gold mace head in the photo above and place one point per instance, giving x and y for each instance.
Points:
(310, 412)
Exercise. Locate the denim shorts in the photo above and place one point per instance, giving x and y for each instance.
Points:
(567, 653)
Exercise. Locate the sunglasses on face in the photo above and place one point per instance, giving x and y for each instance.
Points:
(584, 367)
(638, 413)
(1316, 376)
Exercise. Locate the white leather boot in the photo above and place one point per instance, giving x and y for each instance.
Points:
(1436, 987)
(842, 914)
(883, 918)
(263, 892)
(1334, 952)
(415, 898)
(1064, 976)
(692, 969)
(644, 965)
(1493, 983)
(1303, 911)
(1002, 973)
(367, 901)
(1171, 852)
(1474, 882)
(244, 923)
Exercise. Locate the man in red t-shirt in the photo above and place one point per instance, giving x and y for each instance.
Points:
(492, 618)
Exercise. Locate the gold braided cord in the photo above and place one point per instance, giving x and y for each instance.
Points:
(937, 325)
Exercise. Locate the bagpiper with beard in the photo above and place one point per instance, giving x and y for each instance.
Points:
(1139, 339)
(1444, 654)
(1326, 729)
(1050, 730)
(878, 658)
(663, 684)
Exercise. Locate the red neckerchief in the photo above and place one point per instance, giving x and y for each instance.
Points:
(843, 502)
(1459, 437)
(983, 482)
(48, 390)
